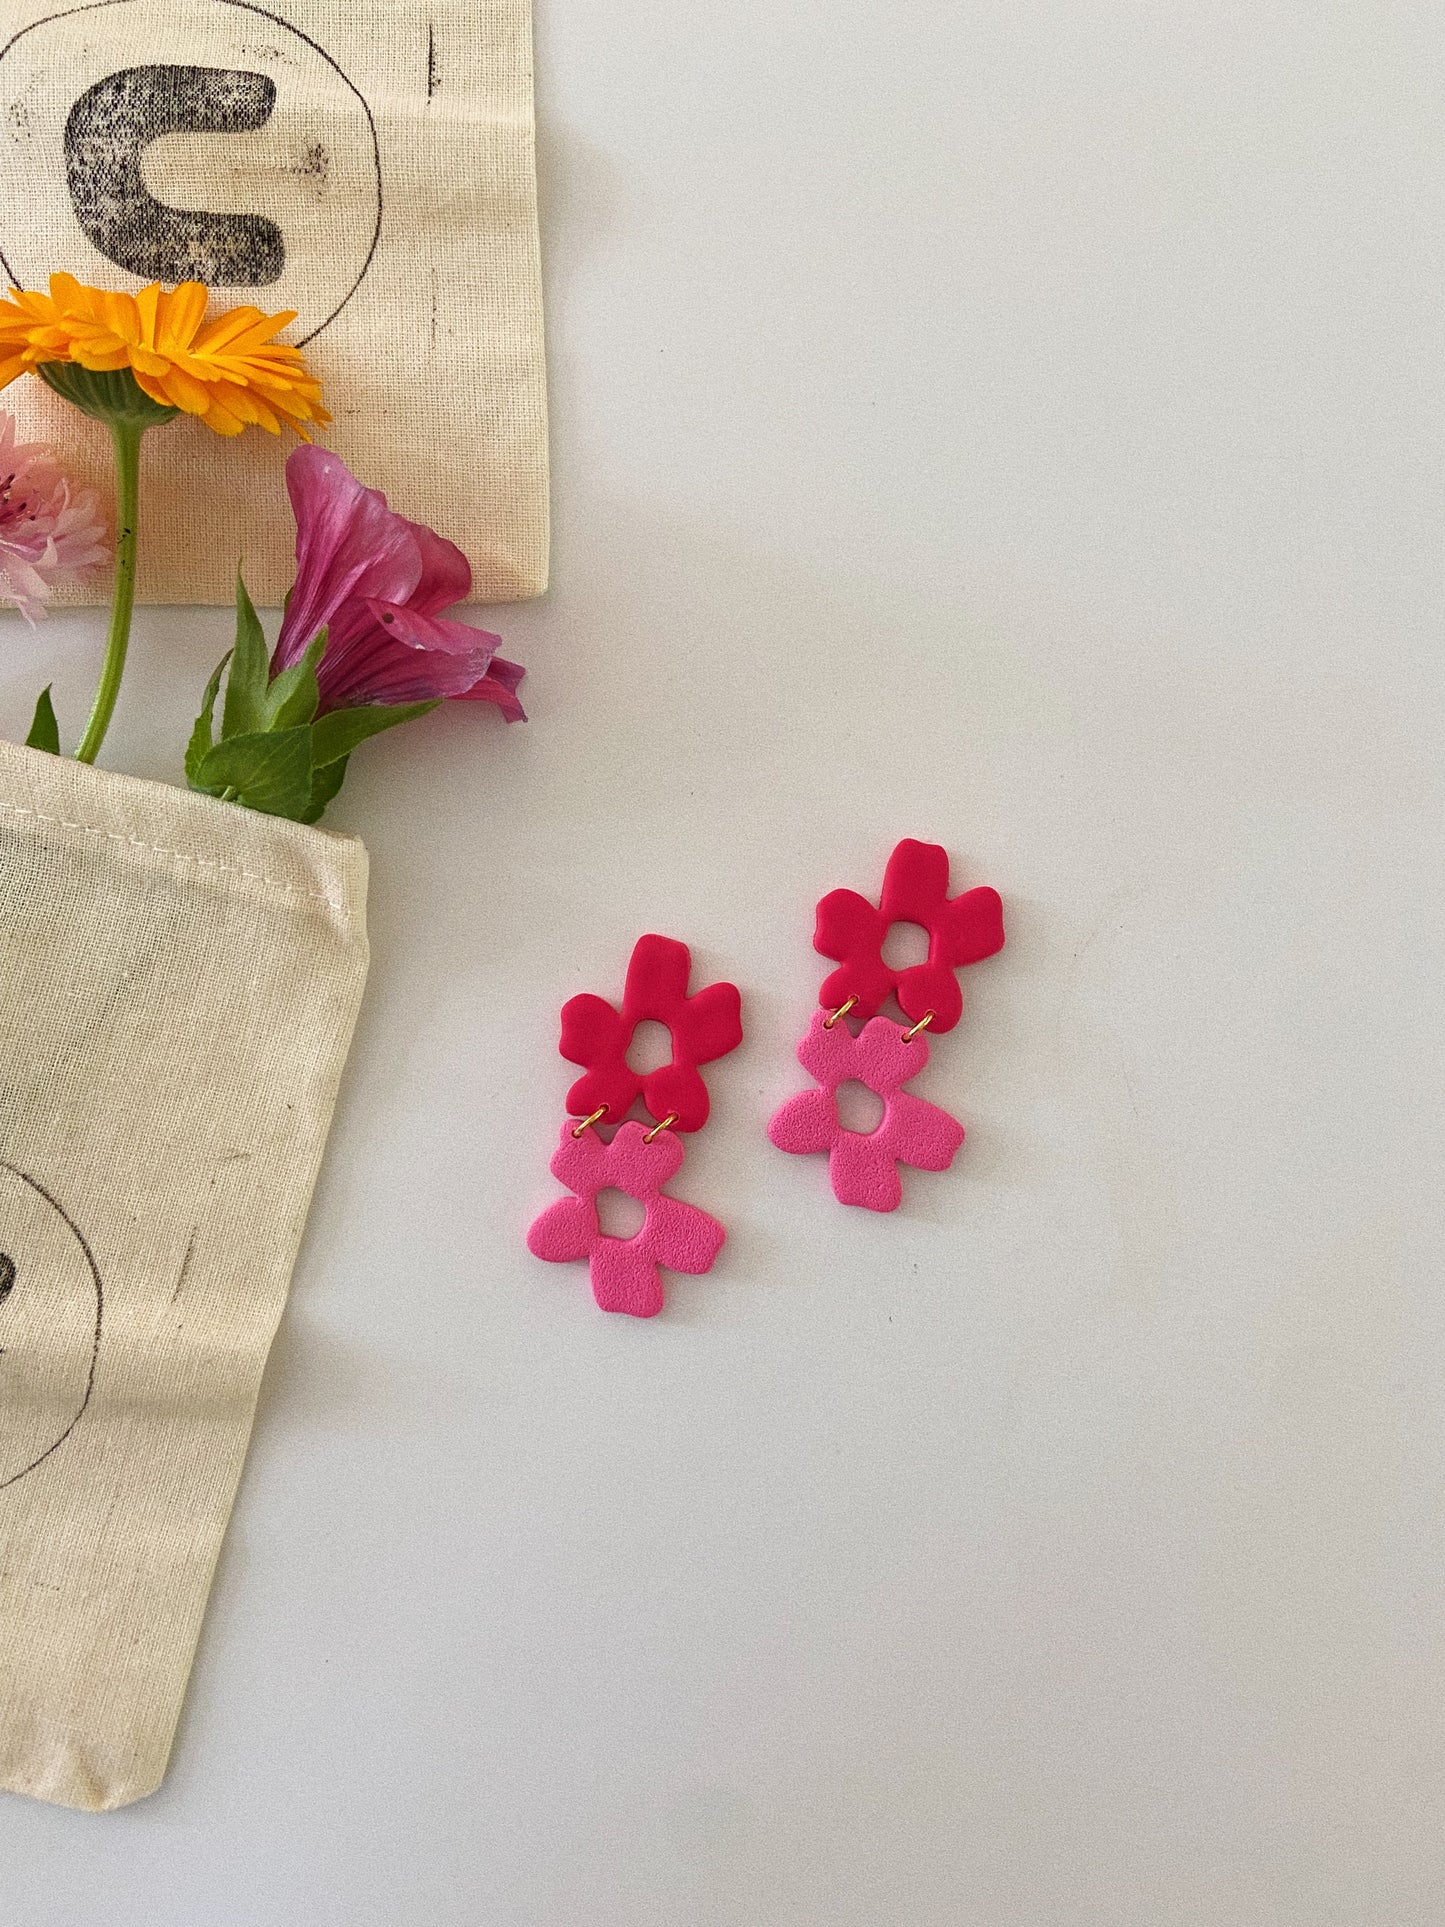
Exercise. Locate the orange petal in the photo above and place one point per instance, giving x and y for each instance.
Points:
(228, 328)
(99, 360)
(262, 415)
(182, 312)
(235, 400)
(220, 418)
(184, 391)
(148, 385)
(67, 292)
(147, 303)
(121, 315)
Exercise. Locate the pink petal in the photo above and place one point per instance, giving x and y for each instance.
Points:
(23, 586)
(508, 674)
(865, 978)
(930, 987)
(681, 1236)
(807, 1122)
(973, 926)
(711, 1023)
(578, 1162)
(883, 1061)
(591, 1029)
(436, 635)
(398, 656)
(919, 1133)
(863, 1173)
(625, 1279)
(446, 574)
(845, 923)
(915, 883)
(677, 1088)
(51, 530)
(498, 686)
(610, 1084)
(594, 1034)
(565, 1231)
(349, 545)
(79, 540)
(639, 1168)
(830, 1055)
(657, 974)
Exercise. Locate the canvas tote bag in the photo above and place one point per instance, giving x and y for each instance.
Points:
(368, 163)
(178, 983)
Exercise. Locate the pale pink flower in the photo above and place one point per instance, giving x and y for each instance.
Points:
(51, 528)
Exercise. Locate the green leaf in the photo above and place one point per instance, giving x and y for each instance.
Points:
(201, 735)
(293, 695)
(44, 730)
(245, 710)
(268, 770)
(336, 734)
(325, 782)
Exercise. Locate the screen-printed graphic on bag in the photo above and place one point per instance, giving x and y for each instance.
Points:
(366, 164)
(51, 1305)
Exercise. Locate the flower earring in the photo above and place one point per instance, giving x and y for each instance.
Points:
(641, 1156)
(884, 1055)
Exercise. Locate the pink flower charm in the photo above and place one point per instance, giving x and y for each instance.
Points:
(961, 930)
(624, 1270)
(51, 529)
(864, 1167)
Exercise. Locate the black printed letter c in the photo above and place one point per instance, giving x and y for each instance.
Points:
(108, 130)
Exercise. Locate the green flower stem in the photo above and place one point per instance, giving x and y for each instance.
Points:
(115, 397)
(126, 435)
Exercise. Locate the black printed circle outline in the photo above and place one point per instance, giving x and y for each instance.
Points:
(79, 1237)
(246, 6)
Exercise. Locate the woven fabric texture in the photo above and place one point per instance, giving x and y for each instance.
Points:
(179, 979)
(368, 163)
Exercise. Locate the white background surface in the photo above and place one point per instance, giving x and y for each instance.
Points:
(1015, 425)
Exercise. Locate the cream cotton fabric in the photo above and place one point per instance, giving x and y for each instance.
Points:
(179, 979)
(368, 163)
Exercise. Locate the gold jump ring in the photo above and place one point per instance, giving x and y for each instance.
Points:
(841, 1011)
(924, 1021)
(648, 1136)
(588, 1122)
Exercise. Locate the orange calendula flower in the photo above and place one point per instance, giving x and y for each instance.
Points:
(229, 372)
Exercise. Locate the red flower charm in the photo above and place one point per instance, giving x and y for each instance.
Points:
(961, 930)
(702, 1027)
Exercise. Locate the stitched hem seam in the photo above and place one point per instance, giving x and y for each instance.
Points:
(179, 856)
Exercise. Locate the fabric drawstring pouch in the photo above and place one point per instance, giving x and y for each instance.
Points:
(179, 980)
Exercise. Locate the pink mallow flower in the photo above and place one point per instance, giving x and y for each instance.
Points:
(51, 528)
(378, 584)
